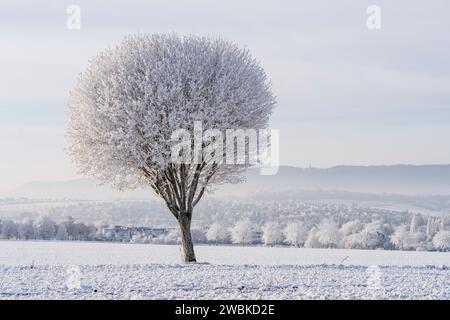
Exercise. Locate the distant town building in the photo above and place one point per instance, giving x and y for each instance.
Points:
(122, 233)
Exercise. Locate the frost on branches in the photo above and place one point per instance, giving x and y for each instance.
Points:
(217, 233)
(243, 232)
(295, 233)
(272, 234)
(132, 97)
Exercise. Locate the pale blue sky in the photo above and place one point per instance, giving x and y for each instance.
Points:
(347, 95)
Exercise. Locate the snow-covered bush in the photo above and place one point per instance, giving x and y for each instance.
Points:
(312, 240)
(295, 233)
(441, 241)
(137, 238)
(272, 234)
(351, 227)
(217, 233)
(399, 237)
(416, 223)
(374, 235)
(172, 237)
(403, 239)
(62, 233)
(329, 235)
(9, 229)
(161, 239)
(26, 229)
(243, 232)
(434, 226)
(417, 241)
(354, 241)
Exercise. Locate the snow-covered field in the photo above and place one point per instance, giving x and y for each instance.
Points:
(82, 270)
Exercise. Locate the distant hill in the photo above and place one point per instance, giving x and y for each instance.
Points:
(397, 179)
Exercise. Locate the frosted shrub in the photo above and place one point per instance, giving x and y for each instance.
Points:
(434, 226)
(441, 241)
(403, 239)
(351, 227)
(295, 233)
(62, 233)
(8, 229)
(272, 234)
(172, 237)
(354, 241)
(45, 228)
(312, 240)
(374, 235)
(217, 233)
(243, 232)
(329, 235)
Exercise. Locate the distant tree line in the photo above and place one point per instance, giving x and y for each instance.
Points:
(293, 223)
(423, 233)
(44, 228)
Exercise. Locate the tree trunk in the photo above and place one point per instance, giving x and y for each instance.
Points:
(184, 222)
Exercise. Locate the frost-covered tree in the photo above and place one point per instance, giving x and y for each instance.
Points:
(62, 233)
(217, 233)
(25, 229)
(133, 97)
(243, 232)
(9, 229)
(400, 236)
(312, 240)
(374, 235)
(272, 234)
(355, 241)
(416, 222)
(441, 240)
(295, 233)
(351, 227)
(329, 235)
(71, 227)
(92, 231)
(434, 225)
(172, 237)
(45, 228)
(404, 239)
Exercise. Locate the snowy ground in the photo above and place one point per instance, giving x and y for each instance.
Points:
(78, 270)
